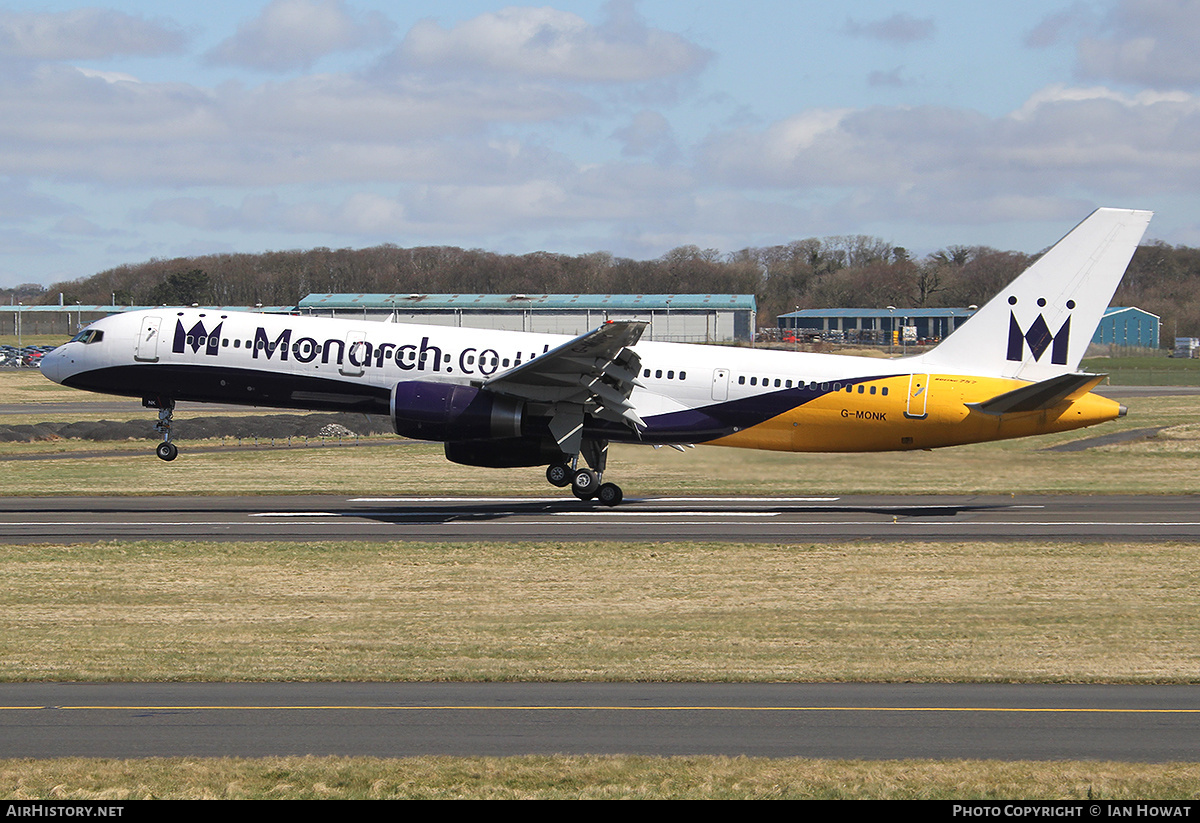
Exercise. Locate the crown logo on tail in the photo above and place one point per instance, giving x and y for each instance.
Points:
(1038, 336)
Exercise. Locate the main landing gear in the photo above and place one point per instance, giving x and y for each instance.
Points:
(586, 483)
(165, 450)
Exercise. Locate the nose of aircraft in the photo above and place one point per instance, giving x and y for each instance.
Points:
(54, 364)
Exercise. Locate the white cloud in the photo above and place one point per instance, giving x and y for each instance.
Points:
(84, 34)
(893, 79)
(957, 164)
(294, 34)
(1147, 42)
(80, 227)
(1070, 23)
(85, 127)
(648, 134)
(18, 203)
(549, 43)
(899, 28)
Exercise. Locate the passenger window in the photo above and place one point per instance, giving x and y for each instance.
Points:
(872, 390)
(753, 381)
(741, 380)
(885, 391)
(670, 375)
(683, 375)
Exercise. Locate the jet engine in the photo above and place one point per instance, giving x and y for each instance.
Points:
(504, 454)
(444, 411)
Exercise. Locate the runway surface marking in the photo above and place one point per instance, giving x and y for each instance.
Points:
(341, 521)
(567, 499)
(361, 519)
(893, 709)
(722, 518)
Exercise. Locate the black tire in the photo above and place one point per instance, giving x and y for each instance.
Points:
(167, 451)
(584, 484)
(610, 494)
(559, 474)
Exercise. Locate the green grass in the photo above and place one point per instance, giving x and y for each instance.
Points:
(195, 611)
(1166, 464)
(34, 339)
(985, 612)
(577, 778)
(1146, 371)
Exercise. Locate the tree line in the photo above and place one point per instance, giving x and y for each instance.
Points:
(831, 272)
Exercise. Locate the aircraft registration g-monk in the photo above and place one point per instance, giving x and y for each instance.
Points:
(504, 399)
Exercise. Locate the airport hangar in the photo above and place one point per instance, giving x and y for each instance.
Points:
(678, 318)
(1126, 326)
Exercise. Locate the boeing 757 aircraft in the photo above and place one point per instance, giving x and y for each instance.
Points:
(503, 399)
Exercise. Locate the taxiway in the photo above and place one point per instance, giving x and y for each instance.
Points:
(846, 720)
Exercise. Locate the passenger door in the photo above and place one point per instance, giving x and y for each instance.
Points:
(918, 397)
(720, 384)
(356, 343)
(145, 348)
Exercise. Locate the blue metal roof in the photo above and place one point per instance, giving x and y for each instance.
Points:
(529, 302)
(105, 308)
(923, 312)
(1119, 309)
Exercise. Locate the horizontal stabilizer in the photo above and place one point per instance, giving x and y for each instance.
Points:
(1038, 396)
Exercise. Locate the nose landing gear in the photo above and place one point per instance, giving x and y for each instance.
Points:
(165, 450)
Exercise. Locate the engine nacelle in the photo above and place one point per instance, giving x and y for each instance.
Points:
(503, 454)
(444, 411)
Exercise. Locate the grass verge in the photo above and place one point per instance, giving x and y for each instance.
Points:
(601, 611)
(1164, 464)
(562, 778)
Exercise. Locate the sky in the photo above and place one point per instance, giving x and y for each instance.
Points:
(139, 130)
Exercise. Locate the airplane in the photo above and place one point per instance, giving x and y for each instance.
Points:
(505, 399)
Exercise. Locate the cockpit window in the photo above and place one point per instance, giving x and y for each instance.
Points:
(88, 336)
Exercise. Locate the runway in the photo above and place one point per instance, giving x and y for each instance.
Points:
(789, 519)
(864, 721)
(849, 720)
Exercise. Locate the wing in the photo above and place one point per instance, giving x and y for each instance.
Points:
(593, 374)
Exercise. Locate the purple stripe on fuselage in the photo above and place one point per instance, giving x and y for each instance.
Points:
(720, 419)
